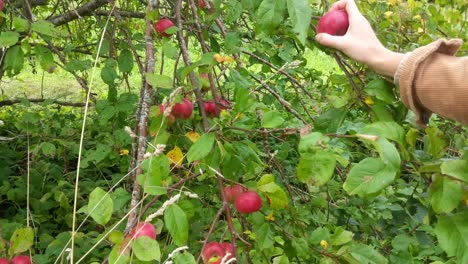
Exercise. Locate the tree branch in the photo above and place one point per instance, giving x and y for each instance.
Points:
(85, 9)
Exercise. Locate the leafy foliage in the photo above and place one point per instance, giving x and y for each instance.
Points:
(344, 174)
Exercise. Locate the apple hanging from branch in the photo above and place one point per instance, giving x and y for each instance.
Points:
(248, 202)
(162, 25)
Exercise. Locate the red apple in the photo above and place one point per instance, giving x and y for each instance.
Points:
(2, 260)
(161, 112)
(213, 253)
(162, 25)
(143, 229)
(210, 108)
(201, 4)
(248, 202)
(232, 192)
(1, 8)
(335, 23)
(183, 110)
(21, 260)
(228, 248)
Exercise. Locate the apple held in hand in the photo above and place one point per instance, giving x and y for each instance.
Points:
(143, 229)
(248, 202)
(232, 192)
(162, 25)
(183, 110)
(213, 253)
(21, 260)
(335, 23)
(2, 260)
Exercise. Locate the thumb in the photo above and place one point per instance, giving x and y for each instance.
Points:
(329, 40)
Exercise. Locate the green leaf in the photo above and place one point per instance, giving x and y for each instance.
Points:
(20, 25)
(48, 149)
(434, 142)
(146, 249)
(341, 237)
(108, 75)
(445, 194)
(366, 254)
(309, 142)
(270, 14)
(265, 238)
(8, 38)
(300, 14)
(369, 177)
(316, 169)
(21, 240)
(452, 234)
(177, 224)
(388, 130)
(118, 256)
(48, 29)
(14, 60)
(276, 195)
(388, 152)
(272, 119)
(201, 148)
(45, 56)
(456, 168)
(158, 170)
(160, 81)
(100, 206)
(125, 61)
(184, 258)
(381, 89)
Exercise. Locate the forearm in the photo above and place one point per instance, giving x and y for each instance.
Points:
(433, 80)
(384, 61)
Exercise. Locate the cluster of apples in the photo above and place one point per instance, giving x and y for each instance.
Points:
(184, 109)
(214, 252)
(245, 202)
(22, 259)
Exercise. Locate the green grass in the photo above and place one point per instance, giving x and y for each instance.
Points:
(61, 85)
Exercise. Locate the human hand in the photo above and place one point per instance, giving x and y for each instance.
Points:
(360, 42)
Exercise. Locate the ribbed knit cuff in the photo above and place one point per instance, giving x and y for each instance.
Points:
(396, 77)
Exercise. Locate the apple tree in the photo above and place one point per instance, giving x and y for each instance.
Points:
(219, 131)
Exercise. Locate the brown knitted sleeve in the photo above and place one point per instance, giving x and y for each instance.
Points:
(433, 80)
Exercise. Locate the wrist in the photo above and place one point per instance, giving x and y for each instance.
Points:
(385, 61)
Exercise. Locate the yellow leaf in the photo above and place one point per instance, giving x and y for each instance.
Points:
(218, 58)
(420, 30)
(388, 14)
(228, 59)
(270, 217)
(193, 136)
(324, 244)
(176, 156)
(124, 152)
(369, 100)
